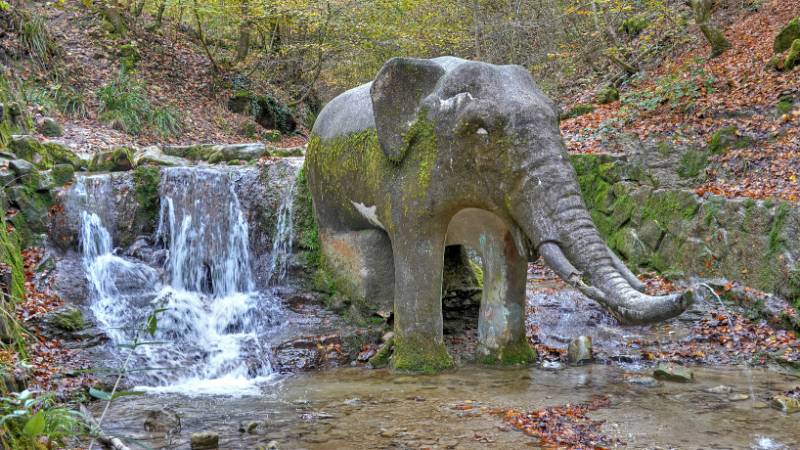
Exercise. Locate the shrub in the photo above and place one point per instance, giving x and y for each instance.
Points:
(125, 106)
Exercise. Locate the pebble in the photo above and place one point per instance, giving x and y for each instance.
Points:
(738, 397)
(760, 405)
(552, 365)
(205, 440)
(673, 373)
(721, 389)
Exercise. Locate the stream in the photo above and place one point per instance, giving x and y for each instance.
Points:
(220, 285)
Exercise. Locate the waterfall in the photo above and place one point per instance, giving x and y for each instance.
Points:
(283, 237)
(212, 331)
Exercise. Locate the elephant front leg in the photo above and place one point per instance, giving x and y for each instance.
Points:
(419, 343)
(501, 324)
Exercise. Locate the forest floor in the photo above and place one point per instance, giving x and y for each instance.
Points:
(169, 66)
(689, 97)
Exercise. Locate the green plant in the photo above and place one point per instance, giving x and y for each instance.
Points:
(166, 121)
(37, 40)
(27, 421)
(70, 102)
(125, 106)
(676, 89)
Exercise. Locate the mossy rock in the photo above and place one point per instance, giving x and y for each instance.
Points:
(119, 159)
(692, 163)
(43, 154)
(62, 174)
(789, 33)
(265, 110)
(10, 254)
(608, 94)
(146, 181)
(577, 110)
(69, 318)
(793, 56)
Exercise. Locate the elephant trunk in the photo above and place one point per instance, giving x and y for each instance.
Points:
(566, 237)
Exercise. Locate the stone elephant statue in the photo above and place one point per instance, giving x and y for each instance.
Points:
(452, 152)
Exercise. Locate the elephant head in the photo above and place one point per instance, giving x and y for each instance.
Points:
(497, 120)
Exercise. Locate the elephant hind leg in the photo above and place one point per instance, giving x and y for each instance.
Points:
(501, 324)
(359, 266)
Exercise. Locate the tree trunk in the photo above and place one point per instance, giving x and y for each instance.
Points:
(160, 15)
(243, 44)
(714, 36)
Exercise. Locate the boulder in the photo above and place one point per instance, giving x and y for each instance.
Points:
(789, 33)
(784, 403)
(21, 167)
(206, 440)
(580, 350)
(241, 152)
(119, 159)
(265, 110)
(49, 127)
(153, 156)
(43, 154)
(673, 373)
(62, 174)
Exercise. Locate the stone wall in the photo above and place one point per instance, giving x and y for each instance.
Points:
(655, 221)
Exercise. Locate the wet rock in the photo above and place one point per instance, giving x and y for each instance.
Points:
(785, 404)
(552, 365)
(738, 397)
(760, 405)
(673, 373)
(580, 350)
(249, 426)
(162, 420)
(206, 440)
(721, 389)
(271, 445)
(641, 380)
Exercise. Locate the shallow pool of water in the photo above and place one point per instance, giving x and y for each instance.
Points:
(375, 409)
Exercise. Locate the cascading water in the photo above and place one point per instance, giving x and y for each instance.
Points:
(213, 322)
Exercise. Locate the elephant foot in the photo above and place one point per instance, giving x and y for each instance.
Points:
(420, 355)
(518, 353)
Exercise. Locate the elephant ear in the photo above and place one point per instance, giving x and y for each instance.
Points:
(396, 94)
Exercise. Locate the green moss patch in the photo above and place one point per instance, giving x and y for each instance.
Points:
(787, 35)
(577, 110)
(515, 354)
(420, 355)
(147, 180)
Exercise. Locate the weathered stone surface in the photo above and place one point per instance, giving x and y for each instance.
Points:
(119, 159)
(20, 166)
(216, 153)
(265, 110)
(162, 420)
(43, 154)
(282, 152)
(155, 157)
(678, 233)
(673, 373)
(206, 440)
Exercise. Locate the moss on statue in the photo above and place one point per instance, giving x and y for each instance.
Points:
(518, 353)
(420, 355)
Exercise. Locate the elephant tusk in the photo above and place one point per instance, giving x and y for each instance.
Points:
(626, 273)
(555, 258)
